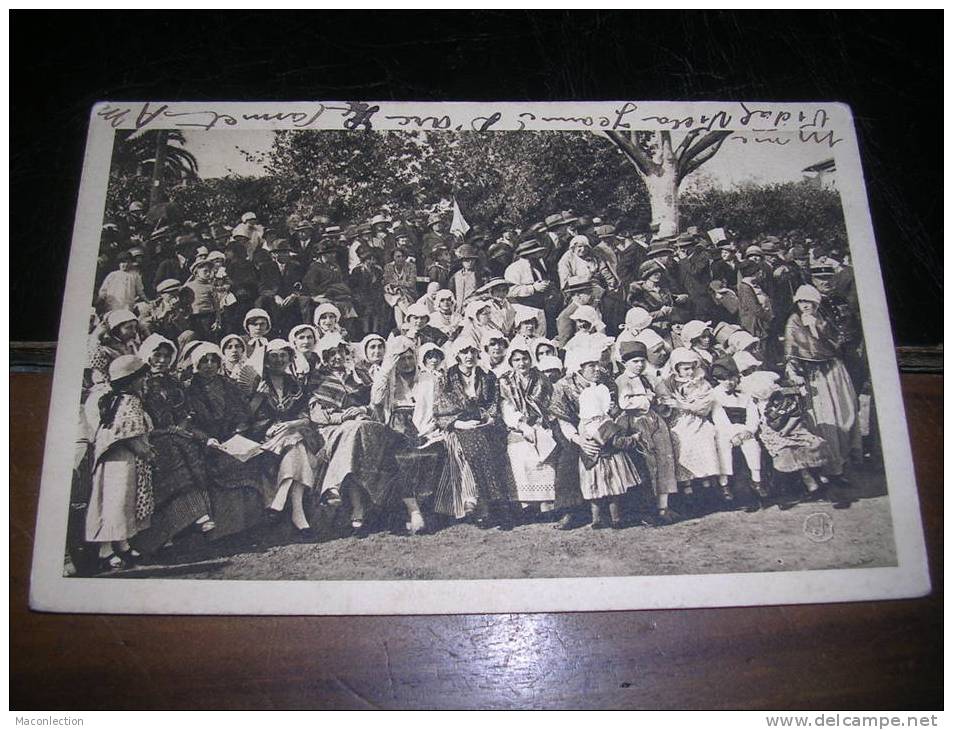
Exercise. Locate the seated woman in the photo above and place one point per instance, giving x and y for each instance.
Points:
(657, 354)
(445, 316)
(305, 363)
(327, 318)
(477, 321)
(493, 359)
(279, 409)
(303, 338)
(257, 325)
(582, 405)
(235, 365)
(370, 356)
(218, 410)
(358, 450)
(362, 362)
(552, 367)
(430, 362)
(466, 410)
(636, 320)
(529, 323)
(179, 476)
(544, 348)
(696, 336)
(587, 322)
(403, 398)
(651, 293)
(416, 326)
(525, 394)
(688, 397)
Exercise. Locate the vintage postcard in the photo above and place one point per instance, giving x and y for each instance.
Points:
(393, 357)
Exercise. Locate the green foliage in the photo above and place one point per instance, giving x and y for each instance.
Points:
(751, 210)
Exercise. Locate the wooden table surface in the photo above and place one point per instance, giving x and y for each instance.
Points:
(875, 655)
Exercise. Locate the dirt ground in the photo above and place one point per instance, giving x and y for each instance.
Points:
(850, 528)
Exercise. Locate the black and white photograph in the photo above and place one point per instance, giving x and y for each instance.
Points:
(345, 343)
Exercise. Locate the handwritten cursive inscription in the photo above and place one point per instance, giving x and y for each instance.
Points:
(767, 124)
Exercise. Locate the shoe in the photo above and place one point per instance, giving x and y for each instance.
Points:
(617, 524)
(726, 494)
(333, 497)
(759, 490)
(272, 515)
(129, 556)
(416, 525)
(564, 523)
(600, 525)
(207, 526)
(359, 529)
(110, 563)
(666, 517)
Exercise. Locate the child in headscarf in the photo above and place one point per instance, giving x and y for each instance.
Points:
(785, 434)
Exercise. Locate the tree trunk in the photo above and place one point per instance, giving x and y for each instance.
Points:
(663, 197)
(664, 170)
(158, 169)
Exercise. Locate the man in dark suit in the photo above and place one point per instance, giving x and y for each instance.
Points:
(176, 266)
(281, 278)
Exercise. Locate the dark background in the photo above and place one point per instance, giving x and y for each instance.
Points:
(886, 65)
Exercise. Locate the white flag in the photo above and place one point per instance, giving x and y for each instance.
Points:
(458, 225)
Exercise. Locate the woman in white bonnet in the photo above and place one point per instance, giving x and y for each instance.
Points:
(327, 318)
(688, 397)
(445, 316)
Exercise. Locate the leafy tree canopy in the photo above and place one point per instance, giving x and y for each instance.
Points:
(518, 177)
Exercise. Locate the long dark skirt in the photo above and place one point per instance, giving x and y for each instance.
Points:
(363, 451)
(568, 493)
(234, 509)
(419, 470)
(179, 480)
(657, 452)
(476, 469)
(238, 492)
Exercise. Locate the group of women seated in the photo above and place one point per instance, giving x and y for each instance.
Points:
(466, 423)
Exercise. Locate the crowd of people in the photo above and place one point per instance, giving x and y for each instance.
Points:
(238, 373)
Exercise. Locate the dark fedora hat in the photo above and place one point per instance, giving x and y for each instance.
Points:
(530, 246)
(576, 284)
(467, 251)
